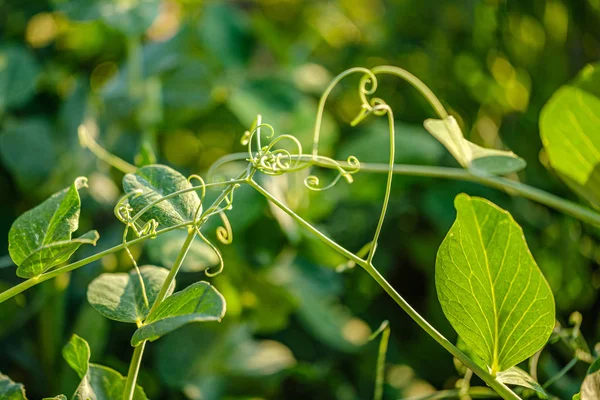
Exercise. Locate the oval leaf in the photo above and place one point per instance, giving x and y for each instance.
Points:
(119, 296)
(570, 131)
(10, 390)
(490, 288)
(97, 382)
(40, 239)
(155, 182)
(470, 155)
(196, 303)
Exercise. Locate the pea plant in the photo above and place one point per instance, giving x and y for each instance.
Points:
(488, 283)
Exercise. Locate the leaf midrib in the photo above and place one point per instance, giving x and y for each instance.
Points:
(495, 364)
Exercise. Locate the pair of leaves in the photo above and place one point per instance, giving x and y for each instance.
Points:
(470, 155)
(120, 297)
(490, 288)
(97, 382)
(570, 131)
(40, 239)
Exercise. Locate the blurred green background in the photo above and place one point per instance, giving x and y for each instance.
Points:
(182, 80)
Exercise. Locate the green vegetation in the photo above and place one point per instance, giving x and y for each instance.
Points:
(326, 241)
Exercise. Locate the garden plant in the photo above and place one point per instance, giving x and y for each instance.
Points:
(488, 284)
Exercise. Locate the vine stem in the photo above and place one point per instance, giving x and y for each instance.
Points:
(512, 187)
(474, 393)
(134, 369)
(138, 352)
(499, 387)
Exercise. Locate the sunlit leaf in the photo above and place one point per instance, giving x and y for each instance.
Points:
(470, 155)
(516, 376)
(59, 397)
(196, 303)
(154, 182)
(10, 390)
(41, 238)
(97, 382)
(119, 296)
(490, 288)
(570, 131)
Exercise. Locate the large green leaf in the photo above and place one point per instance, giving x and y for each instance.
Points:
(470, 155)
(516, 376)
(10, 390)
(489, 286)
(97, 382)
(196, 303)
(120, 297)
(41, 238)
(570, 131)
(154, 182)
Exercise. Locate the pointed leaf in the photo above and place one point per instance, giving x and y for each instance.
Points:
(196, 303)
(470, 155)
(59, 397)
(570, 131)
(154, 182)
(54, 254)
(97, 382)
(516, 376)
(120, 297)
(41, 238)
(10, 390)
(490, 288)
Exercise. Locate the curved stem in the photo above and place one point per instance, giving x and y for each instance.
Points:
(416, 83)
(499, 387)
(388, 186)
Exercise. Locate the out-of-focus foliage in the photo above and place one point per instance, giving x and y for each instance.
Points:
(178, 81)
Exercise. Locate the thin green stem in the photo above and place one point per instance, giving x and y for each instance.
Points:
(416, 83)
(174, 269)
(134, 369)
(21, 287)
(193, 230)
(514, 188)
(306, 225)
(560, 373)
(474, 392)
(380, 372)
(87, 141)
(388, 186)
(499, 387)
